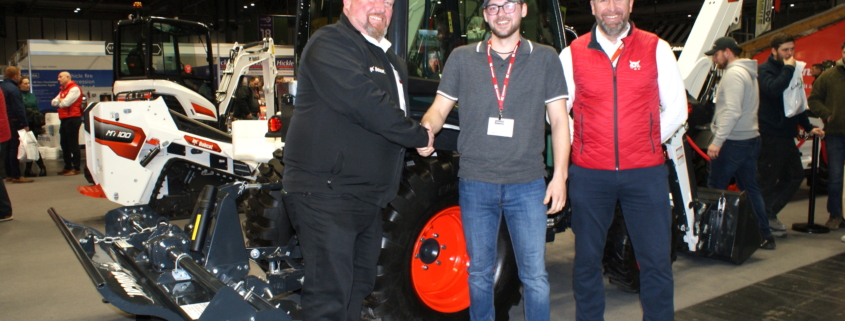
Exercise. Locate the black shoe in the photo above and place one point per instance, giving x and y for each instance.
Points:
(768, 243)
(43, 172)
(29, 173)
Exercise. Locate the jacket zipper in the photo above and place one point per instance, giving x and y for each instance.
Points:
(651, 131)
(615, 118)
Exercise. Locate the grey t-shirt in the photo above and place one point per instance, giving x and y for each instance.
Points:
(536, 79)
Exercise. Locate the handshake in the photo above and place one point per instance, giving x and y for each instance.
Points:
(429, 149)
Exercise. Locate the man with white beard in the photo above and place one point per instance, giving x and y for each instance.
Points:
(344, 156)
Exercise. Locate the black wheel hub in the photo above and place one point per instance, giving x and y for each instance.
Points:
(429, 251)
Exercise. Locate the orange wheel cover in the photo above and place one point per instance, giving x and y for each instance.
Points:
(439, 263)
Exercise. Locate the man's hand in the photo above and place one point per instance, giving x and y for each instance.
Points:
(26, 128)
(790, 61)
(428, 150)
(713, 151)
(818, 132)
(556, 194)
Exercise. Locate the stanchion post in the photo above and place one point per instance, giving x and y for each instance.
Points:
(811, 226)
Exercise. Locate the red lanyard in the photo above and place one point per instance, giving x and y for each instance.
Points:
(617, 53)
(501, 96)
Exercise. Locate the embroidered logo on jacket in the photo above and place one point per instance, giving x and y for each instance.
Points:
(635, 65)
(377, 69)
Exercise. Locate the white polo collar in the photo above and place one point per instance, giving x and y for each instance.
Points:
(383, 44)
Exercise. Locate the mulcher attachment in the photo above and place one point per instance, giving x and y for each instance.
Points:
(144, 265)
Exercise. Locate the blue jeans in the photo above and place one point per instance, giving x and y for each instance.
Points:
(835, 145)
(738, 159)
(482, 207)
(644, 196)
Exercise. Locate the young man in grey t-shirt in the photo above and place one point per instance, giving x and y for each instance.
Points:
(501, 145)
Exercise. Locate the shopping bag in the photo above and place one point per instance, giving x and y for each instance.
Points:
(794, 98)
(28, 148)
(31, 147)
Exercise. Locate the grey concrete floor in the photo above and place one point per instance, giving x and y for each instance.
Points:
(40, 278)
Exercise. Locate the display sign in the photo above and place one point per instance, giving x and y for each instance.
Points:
(265, 26)
(284, 67)
(763, 17)
(45, 83)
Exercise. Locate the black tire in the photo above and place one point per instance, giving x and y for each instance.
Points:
(267, 222)
(619, 262)
(428, 186)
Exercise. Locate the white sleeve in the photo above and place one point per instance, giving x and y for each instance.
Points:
(566, 61)
(673, 95)
(72, 95)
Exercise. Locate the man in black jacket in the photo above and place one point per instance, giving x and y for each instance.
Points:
(779, 167)
(16, 112)
(344, 155)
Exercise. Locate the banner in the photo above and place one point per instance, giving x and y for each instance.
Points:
(763, 17)
(45, 84)
(265, 26)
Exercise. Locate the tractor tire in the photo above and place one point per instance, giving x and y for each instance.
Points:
(267, 222)
(411, 283)
(620, 264)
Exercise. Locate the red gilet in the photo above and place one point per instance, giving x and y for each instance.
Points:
(616, 111)
(75, 109)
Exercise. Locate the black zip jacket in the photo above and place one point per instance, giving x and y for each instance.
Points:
(348, 134)
(774, 78)
(15, 109)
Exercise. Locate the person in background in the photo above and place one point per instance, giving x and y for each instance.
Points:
(69, 102)
(827, 100)
(36, 124)
(247, 105)
(5, 135)
(779, 169)
(16, 112)
(736, 138)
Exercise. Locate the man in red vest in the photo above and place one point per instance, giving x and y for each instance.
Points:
(627, 98)
(69, 103)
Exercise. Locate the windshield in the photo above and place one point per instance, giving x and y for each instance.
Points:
(180, 54)
(436, 27)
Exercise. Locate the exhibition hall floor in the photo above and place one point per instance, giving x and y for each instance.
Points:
(804, 279)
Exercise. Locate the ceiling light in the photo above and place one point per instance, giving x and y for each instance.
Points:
(252, 4)
(792, 5)
(245, 7)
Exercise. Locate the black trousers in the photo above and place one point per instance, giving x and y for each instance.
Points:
(779, 172)
(340, 239)
(69, 132)
(5, 203)
(10, 156)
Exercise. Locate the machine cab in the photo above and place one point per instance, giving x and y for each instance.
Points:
(172, 59)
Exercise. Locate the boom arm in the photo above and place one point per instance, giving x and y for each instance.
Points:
(241, 57)
(714, 21)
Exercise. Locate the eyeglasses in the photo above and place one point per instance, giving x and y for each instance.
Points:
(508, 7)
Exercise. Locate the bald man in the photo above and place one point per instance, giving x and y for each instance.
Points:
(69, 103)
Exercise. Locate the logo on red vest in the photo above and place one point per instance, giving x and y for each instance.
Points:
(635, 65)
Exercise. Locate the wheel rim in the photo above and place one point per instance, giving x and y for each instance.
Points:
(439, 264)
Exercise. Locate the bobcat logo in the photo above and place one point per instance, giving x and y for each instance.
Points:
(635, 65)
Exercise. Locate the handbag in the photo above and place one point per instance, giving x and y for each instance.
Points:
(794, 98)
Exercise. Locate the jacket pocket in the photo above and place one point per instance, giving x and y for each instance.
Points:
(651, 131)
(581, 133)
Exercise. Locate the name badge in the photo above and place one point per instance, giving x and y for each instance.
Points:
(500, 127)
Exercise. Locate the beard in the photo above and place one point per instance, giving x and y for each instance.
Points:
(615, 30)
(506, 33)
(376, 32)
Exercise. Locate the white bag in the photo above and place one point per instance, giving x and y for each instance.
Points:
(28, 149)
(794, 98)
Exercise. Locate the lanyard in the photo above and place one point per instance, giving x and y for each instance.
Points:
(617, 53)
(501, 96)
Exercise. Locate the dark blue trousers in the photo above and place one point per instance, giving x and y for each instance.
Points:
(644, 196)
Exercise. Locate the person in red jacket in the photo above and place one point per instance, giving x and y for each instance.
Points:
(627, 98)
(69, 103)
(5, 135)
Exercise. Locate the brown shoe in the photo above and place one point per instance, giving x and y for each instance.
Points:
(7, 218)
(64, 171)
(72, 172)
(834, 223)
(22, 180)
(9, 179)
